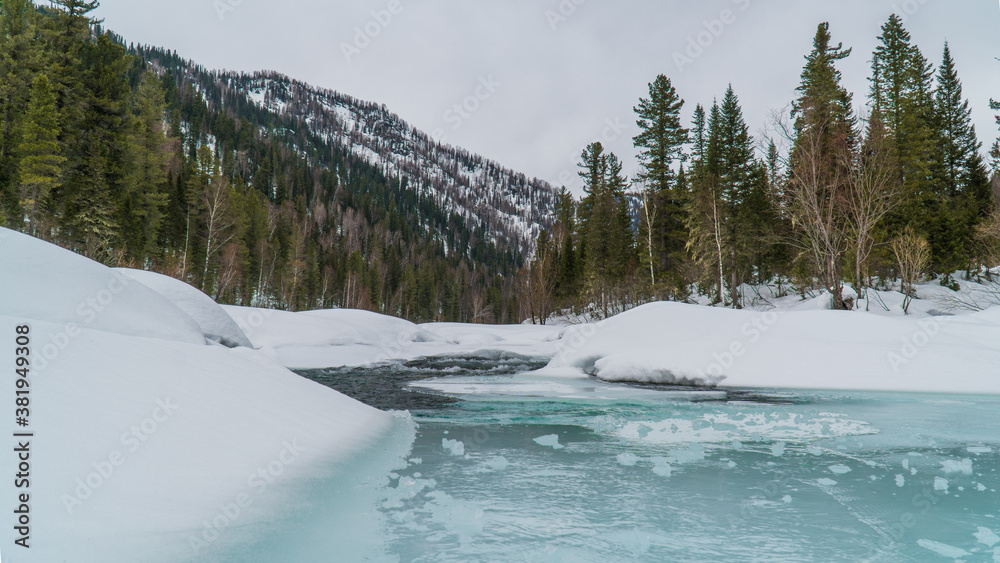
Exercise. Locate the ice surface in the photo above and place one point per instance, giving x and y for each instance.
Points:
(942, 549)
(986, 536)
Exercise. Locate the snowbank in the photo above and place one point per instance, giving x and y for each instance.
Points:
(43, 282)
(688, 344)
(150, 444)
(321, 339)
(346, 337)
(215, 324)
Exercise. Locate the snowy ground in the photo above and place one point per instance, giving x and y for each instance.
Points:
(150, 438)
(790, 342)
(165, 424)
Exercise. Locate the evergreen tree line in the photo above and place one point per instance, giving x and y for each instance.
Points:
(114, 153)
(833, 198)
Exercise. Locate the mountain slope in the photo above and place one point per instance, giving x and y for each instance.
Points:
(509, 208)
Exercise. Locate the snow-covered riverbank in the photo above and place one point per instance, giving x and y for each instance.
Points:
(166, 424)
(151, 441)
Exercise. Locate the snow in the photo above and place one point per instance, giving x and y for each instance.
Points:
(215, 324)
(689, 344)
(149, 440)
(43, 282)
(346, 337)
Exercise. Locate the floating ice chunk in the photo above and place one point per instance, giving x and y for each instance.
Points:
(456, 447)
(987, 537)
(824, 482)
(913, 471)
(955, 466)
(551, 441)
(943, 549)
(661, 466)
(787, 499)
(980, 487)
(693, 453)
(906, 463)
(979, 450)
(498, 463)
(628, 459)
(778, 449)
(941, 484)
(900, 480)
(839, 469)
(732, 465)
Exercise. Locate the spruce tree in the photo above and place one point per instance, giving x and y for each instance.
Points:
(41, 166)
(964, 196)
(902, 96)
(823, 142)
(955, 129)
(21, 57)
(660, 142)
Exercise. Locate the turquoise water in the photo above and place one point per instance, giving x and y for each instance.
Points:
(647, 474)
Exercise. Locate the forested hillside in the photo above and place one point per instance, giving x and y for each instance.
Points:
(257, 189)
(870, 192)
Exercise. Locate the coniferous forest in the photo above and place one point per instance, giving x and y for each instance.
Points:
(874, 197)
(117, 152)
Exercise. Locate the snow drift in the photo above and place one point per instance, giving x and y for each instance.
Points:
(150, 444)
(687, 344)
(214, 323)
(43, 282)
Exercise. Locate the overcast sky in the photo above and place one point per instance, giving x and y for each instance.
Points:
(539, 79)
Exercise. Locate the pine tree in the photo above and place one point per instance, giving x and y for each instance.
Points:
(41, 167)
(661, 139)
(823, 142)
(955, 128)
(902, 96)
(661, 135)
(146, 193)
(21, 57)
(964, 197)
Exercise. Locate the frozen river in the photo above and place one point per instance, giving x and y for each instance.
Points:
(509, 467)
